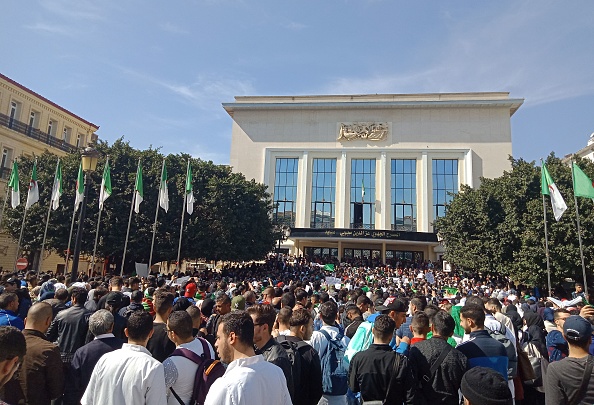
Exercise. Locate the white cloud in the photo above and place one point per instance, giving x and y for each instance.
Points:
(75, 9)
(49, 28)
(173, 28)
(295, 26)
(522, 50)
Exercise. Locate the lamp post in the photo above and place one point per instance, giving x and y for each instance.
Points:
(89, 158)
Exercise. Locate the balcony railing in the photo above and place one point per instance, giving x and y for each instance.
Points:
(34, 133)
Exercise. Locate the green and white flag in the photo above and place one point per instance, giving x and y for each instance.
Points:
(163, 192)
(362, 191)
(33, 194)
(57, 190)
(13, 184)
(582, 185)
(105, 185)
(138, 189)
(80, 188)
(549, 188)
(329, 267)
(189, 191)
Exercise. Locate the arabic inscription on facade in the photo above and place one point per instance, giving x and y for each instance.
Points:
(371, 131)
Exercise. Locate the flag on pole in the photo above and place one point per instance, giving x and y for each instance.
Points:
(189, 191)
(33, 194)
(549, 188)
(138, 189)
(582, 185)
(329, 267)
(57, 189)
(15, 193)
(163, 192)
(362, 191)
(105, 185)
(80, 188)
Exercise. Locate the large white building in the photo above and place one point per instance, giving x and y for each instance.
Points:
(365, 176)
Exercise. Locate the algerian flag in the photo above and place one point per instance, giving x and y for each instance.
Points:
(329, 267)
(105, 185)
(189, 191)
(163, 192)
(138, 189)
(57, 188)
(33, 194)
(549, 188)
(582, 185)
(80, 188)
(362, 191)
(13, 184)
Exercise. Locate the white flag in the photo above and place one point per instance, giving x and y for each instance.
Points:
(57, 188)
(33, 194)
(163, 192)
(105, 185)
(548, 187)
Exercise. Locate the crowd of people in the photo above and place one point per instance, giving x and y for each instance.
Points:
(292, 331)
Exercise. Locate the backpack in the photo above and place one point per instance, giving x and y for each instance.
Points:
(207, 372)
(510, 349)
(295, 357)
(334, 368)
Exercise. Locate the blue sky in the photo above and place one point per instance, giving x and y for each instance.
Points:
(157, 72)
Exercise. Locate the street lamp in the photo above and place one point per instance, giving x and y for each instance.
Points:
(89, 158)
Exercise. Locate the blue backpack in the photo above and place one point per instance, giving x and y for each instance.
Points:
(334, 368)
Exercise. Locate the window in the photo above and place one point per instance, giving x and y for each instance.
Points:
(323, 191)
(363, 193)
(79, 139)
(404, 194)
(317, 253)
(445, 181)
(13, 113)
(285, 191)
(33, 117)
(5, 166)
(66, 134)
(51, 128)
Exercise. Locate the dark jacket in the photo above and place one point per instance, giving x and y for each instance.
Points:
(308, 387)
(274, 353)
(483, 350)
(41, 376)
(444, 384)
(69, 329)
(82, 366)
(159, 344)
(351, 328)
(127, 311)
(370, 372)
(57, 305)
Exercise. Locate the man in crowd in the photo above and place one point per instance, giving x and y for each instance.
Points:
(481, 349)
(321, 341)
(570, 381)
(441, 385)
(69, 327)
(159, 344)
(556, 344)
(129, 375)
(249, 379)
(41, 377)
(485, 386)
(307, 375)
(59, 301)
(9, 307)
(264, 316)
(222, 307)
(101, 325)
(180, 371)
(12, 350)
(355, 318)
(379, 373)
(135, 304)
(416, 304)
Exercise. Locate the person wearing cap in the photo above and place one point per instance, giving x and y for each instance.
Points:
(485, 386)
(569, 381)
(113, 303)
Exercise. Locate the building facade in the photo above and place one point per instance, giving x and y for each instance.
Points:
(29, 125)
(364, 177)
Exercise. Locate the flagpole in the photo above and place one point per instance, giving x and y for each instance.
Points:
(98, 224)
(577, 217)
(156, 216)
(181, 227)
(70, 238)
(49, 210)
(129, 221)
(23, 223)
(544, 210)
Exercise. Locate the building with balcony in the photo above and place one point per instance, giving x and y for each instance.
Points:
(363, 177)
(29, 125)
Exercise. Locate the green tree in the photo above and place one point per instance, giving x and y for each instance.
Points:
(498, 227)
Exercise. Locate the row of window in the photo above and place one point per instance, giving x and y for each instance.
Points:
(366, 254)
(14, 114)
(362, 191)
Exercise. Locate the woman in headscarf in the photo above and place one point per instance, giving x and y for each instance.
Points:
(536, 332)
(511, 312)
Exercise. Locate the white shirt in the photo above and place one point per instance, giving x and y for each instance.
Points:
(319, 342)
(249, 381)
(128, 376)
(181, 372)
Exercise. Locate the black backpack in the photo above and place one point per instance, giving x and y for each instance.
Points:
(207, 372)
(295, 357)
